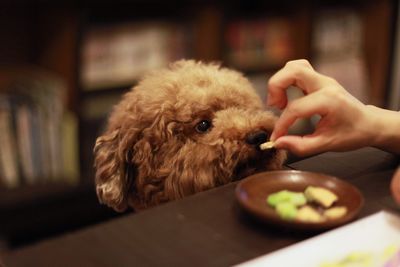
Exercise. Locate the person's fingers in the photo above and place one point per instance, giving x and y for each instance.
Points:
(297, 73)
(395, 186)
(304, 107)
(301, 145)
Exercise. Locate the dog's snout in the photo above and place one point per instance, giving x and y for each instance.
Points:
(257, 138)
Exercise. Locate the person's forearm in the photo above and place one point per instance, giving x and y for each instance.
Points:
(386, 124)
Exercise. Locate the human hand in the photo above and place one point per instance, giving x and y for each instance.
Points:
(345, 122)
(395, 186)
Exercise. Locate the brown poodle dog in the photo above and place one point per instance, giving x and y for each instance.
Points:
(182, 130)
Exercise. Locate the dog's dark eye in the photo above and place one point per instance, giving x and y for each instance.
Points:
(203, 126)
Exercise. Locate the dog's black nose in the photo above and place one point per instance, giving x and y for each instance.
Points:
(257, 138)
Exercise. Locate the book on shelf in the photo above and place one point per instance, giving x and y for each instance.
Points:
(263, 43)
(118, 54)
(24, 133)
(70, 163)
(337, 48)
(9, 172)
(34, 131)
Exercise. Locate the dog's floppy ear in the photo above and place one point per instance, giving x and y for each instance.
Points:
(112, 178)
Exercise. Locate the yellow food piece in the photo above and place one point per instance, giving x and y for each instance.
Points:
(389, 251)
(354, 259)
(308, 214)
(320, 195)
(335, 212)
(267, 145)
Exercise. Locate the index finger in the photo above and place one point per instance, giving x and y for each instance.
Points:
(303, 107)
(298, 73)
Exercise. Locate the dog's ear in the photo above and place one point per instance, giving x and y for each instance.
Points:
(112, 178)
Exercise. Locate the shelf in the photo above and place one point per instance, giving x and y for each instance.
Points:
(112, 89)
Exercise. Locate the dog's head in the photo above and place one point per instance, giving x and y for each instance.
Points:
(182, 130)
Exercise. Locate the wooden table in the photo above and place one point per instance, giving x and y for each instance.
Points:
(207, 229)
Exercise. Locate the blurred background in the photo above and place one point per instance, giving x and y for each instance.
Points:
(64, 65)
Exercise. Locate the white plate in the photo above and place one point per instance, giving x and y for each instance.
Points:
(371, 234)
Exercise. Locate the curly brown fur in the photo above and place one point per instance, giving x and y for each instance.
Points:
(151, 151)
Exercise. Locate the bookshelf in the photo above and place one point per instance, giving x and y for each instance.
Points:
(60, 38)
(39, 43)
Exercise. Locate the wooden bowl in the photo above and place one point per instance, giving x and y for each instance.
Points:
(253, 191)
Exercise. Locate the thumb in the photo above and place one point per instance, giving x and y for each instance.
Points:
(300, 145)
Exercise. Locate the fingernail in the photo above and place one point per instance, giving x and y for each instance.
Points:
(272, 137)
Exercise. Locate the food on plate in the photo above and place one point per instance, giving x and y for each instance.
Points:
(309, 214)
(335, 212)
(320, 195)
(295, 198)
(314, 205)
(286, 210)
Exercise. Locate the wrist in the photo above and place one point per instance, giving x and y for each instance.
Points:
(385, 125)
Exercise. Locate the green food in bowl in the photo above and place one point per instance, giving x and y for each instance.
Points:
(286, 210)
(295, 198)
(295, 205)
